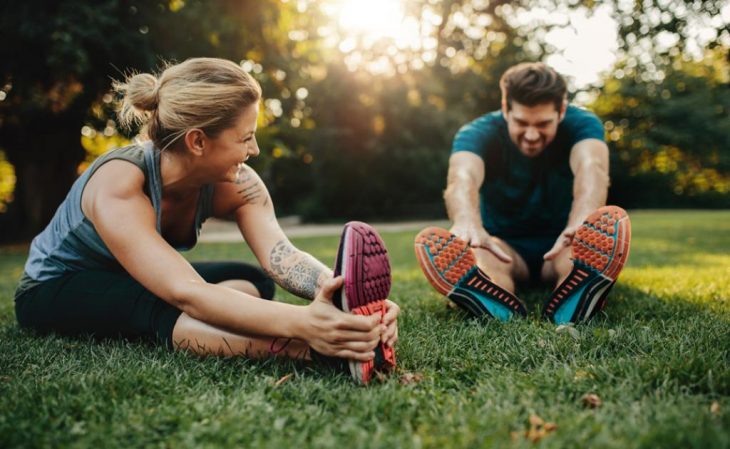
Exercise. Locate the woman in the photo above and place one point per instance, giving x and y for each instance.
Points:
(108, 264)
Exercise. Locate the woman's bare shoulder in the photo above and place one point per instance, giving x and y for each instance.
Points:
(115, 179)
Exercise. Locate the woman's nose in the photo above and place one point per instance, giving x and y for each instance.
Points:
(253, 150)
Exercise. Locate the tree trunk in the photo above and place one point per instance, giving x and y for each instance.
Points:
(45, 154)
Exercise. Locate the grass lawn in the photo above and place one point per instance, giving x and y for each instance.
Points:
(658, 359)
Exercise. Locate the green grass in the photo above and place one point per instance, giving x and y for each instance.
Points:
(658, 359)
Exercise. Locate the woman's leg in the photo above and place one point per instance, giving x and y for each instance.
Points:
(99, 303)
(238, 276)
(113, 304)
(190, 334)
(201, 338)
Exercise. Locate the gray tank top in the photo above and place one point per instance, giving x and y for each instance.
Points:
(70, 242)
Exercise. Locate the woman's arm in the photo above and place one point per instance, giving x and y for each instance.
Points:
(114, 202)
(249, 201)
(298, 272)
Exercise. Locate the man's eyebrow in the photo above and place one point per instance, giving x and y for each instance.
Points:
(543, 122)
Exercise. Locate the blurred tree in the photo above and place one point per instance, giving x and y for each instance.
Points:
(666, 105)
(57, 64)
(381, 115)
(352, 126)
(671, 138)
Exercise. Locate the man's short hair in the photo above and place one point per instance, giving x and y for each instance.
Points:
(532, 83)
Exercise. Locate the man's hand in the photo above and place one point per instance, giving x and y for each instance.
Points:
(564, 240)
(478, 237)
(333, 332)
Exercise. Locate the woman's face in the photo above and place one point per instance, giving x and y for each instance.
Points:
(234, 145)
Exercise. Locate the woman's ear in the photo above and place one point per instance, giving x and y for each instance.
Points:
(195, 140)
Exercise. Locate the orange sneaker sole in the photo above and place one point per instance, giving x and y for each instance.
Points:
(600, 250)
(450, 267)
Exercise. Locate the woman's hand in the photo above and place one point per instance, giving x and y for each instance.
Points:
(390, 320)
(333, 332)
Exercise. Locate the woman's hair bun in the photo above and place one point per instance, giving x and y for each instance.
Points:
(142, 91)
(140, 96)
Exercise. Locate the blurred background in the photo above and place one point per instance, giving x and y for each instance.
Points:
(363, 97)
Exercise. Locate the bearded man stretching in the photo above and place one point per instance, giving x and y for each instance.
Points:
(526, 193)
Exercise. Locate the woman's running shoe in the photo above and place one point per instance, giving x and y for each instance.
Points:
(450, 266)
(600, 249)
(363, 261)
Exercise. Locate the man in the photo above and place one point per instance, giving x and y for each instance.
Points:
(526, 192)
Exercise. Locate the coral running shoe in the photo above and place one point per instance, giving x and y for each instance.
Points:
(363, 261)
(600, 249)
(450, 266)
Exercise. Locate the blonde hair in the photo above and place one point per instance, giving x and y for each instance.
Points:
(203, 93)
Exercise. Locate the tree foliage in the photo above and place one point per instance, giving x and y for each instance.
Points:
(355, 127)
(671, 138)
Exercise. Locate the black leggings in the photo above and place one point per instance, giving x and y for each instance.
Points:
(113, 304)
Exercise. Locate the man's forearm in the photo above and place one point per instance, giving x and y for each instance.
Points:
(590, 190)
(296, 271)
(462, 200)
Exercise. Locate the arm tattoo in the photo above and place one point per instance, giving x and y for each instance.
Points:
(294, 270)
(250, 188)
(250, 193)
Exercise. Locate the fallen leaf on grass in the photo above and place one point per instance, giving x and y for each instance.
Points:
(538, 430)
(536, 421)
(283, 379)
(715, 408)
(410, 378)
(381, 376)
(591, 400)
(569, 329)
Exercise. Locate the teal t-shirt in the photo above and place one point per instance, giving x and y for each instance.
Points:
(523, 196)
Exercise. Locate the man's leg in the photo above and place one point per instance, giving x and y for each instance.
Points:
(597, 254)
(455, 270)
(555, 271)
(504, 274)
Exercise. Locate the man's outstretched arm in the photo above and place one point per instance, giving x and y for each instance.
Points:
(465, 177)
(589, 164)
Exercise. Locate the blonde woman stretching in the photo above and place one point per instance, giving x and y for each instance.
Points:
(108, 263)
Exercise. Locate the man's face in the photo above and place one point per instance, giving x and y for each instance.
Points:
(532, 128)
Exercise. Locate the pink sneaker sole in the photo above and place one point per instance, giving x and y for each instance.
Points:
(363, 261)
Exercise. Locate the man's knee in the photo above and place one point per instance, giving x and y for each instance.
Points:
(489, 263)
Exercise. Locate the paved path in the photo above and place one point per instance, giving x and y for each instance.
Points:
(227, 231)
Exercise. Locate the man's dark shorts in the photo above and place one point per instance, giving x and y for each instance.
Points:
(532, 249)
